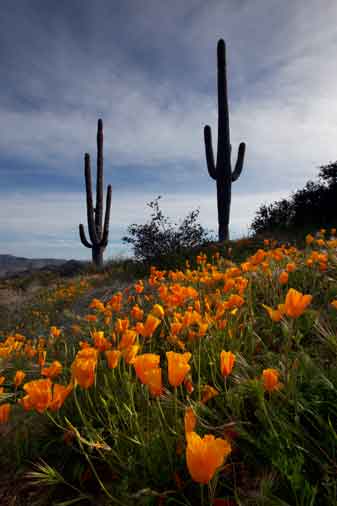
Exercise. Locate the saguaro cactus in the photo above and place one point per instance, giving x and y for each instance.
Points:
(98, 232)
(222, 171)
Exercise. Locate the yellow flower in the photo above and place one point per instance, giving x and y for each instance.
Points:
(158, 311)
(130, 353)
(178, 367)
(204, 456)
(270, 380)
(227, 359)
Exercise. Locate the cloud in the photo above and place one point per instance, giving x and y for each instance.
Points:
(47, 226)
(149, 69)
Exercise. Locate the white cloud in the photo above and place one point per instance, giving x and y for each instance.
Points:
(48, 226)
(283, 104)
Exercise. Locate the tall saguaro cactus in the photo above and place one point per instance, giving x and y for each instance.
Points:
(98, 232)
(222, 171)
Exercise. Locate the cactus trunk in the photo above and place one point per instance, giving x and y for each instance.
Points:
(97, 256)
(98, 233)
(222, 172)
(224, 202)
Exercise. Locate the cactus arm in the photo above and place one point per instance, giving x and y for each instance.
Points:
(99, 182)
(104, 241)
(239, 162)
(209, 152)
(83, 238)
(90, 207)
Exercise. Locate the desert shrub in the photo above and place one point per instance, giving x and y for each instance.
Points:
(162, 242)
(307, 209)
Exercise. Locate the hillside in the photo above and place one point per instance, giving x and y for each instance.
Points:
(10, 264)
(221, 373)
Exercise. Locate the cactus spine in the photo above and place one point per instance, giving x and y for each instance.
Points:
(98, 232)
(222, 171)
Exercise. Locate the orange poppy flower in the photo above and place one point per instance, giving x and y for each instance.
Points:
(150, 325)
(97, 304)
(39, 395)
(274, 314)
(83, 367)
(270, 380)
(205, 455)
(309, 239)
(100, 342)
(153, 380)
(60, 393)
(41, 360)
(54, 370)
(178, 367)
(291, 267)
(145, 362)
(83, 371)
(208, 392)
(90, 317)
(190, 420)
(283, 278)
(4, 412)
(130, 353)
(55, 332)
(112, 357)
(227, 359)
(234, 301)
(128, 339)
(19, 377)
(137, 313)
(295, 303)
(139, 287)
(122, 325)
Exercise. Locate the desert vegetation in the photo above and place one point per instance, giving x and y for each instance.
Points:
(309, 208)
(214, 383)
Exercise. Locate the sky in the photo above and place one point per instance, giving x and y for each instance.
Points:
(148, 69)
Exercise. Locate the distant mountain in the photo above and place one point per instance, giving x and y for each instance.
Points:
(10, 264)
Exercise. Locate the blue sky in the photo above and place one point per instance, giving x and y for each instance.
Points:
(148, 68)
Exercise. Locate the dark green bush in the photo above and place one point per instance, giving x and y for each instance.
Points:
(162, 242)
(305, 210)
